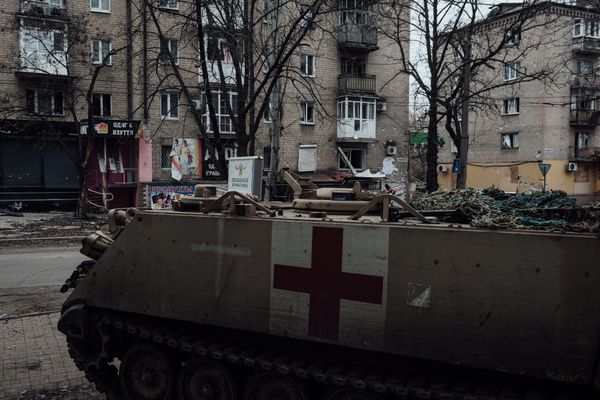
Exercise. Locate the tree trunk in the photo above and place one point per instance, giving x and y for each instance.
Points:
(431, 181)
(82, 206)
(243, 142)
(463, 150)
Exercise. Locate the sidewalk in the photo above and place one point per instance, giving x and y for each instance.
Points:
(35, 363)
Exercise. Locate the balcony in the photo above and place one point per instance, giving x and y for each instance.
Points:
(584, 153)
(357, 37)
(42, 9)
(582, 117)
(586, 45)
(357, 84)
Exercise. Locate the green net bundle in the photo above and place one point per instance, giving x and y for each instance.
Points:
(492, 208)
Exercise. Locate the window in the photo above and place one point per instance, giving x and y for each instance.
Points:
(512, 71)
(169, 105)
(353, 11)
(510, 106)
(218, 49)
(58, 41)
(56, 3)
(356, 156)
(307, 113)
(583, 140)
(100, 5)
(353, 66)
(510, 140)
(585, 67)
(44, 102)
(170, 4)
(267, 113)
(513, 37)
(43, 50)
(586, 27)
(102, 105)
(577, 27)
(307, 65)
(169, 46)
(165, 156)
(101, 52)
(306, 16)
(585, 100)
(359, 108)
(222, 104)
(592, 28)
(307, 158)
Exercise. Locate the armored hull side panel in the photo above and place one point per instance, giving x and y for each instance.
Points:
(521, 302)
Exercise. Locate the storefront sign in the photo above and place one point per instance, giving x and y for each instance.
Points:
(112, 128)
(162, 196)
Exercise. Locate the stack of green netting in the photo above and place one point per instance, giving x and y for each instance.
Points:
(492, 208)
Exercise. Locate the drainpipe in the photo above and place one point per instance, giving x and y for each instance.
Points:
(145, 57)
(129, 62)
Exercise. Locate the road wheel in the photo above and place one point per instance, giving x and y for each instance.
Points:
(350, 394)
(145, 374)
(272, 386)
(205, 380)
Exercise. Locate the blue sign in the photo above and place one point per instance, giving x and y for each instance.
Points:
(456, 166)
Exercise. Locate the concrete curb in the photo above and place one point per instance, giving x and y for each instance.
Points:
(35, 314)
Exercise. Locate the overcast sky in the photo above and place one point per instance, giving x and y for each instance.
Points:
(417, 103)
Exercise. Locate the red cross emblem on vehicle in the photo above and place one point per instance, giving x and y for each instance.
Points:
(326, 284)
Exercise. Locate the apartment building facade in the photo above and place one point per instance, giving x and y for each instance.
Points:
(55, 53)
(540, 122)
(111, 58)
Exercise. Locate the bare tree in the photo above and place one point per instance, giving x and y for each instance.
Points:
(461, 58)
(60, 52)
(243, 48)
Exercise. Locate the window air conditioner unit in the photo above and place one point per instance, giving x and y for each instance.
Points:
(442, 168)
(571, 167)
(381, 106)
(391, 150)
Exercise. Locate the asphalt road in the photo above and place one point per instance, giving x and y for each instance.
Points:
(28, 267)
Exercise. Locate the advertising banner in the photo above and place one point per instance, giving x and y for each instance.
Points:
(245, 174)
(210, 163)
(211, 167)
(185, 159)
(162, 196)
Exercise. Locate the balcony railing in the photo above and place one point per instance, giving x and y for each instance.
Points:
(584, 44)
(36, 8)
(584, 153)
(585, 117)
(357, 84)
(357, 36)
(591, 81)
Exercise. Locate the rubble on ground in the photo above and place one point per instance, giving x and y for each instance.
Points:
(492, 208)
(46, 229)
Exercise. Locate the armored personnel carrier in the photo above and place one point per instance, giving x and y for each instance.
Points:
(238, 301)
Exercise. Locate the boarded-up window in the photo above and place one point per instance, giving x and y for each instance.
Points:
(307, 158)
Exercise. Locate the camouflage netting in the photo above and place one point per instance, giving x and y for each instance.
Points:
(493, 209)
